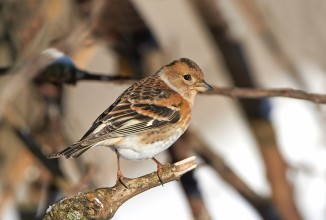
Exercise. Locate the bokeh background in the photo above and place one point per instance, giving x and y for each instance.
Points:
(259, 159)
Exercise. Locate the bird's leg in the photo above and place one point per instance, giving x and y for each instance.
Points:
(159, 170)
(119, 173)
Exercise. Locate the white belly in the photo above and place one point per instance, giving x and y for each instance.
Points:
(132, 152)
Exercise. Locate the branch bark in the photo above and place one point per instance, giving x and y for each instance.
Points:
(254, 93)
(102, 203)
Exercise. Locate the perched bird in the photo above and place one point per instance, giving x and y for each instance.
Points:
(148, 117)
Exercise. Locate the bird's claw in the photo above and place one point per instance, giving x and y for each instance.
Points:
(120, 178)
(159, 173)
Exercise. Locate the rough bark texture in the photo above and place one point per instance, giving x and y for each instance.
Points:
(102, 203)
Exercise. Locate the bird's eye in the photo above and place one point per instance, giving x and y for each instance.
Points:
(187, 77)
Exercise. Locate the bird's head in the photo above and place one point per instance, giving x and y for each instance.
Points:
(185, 77)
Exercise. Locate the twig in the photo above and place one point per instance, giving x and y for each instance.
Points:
(102, 203)
(254, 93)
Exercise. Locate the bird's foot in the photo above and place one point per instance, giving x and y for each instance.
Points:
(159, 173)
(159, 170)
(120, 178)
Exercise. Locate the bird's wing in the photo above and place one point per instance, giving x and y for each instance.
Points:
(99, 120)
(146, 105)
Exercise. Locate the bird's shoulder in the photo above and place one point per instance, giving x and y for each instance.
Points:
(150, 97)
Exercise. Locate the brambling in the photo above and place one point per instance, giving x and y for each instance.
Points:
(148, 117)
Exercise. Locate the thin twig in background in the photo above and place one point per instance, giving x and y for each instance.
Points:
(255, 93)
(102, 203)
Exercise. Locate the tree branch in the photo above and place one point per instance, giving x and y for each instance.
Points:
(254, 93)
(102, 203)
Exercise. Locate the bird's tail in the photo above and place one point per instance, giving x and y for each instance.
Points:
(73, 151)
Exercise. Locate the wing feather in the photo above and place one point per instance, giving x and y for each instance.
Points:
(136, 110)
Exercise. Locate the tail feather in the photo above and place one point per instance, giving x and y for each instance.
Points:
(72, 151)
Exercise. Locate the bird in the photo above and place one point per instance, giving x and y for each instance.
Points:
(147, 118)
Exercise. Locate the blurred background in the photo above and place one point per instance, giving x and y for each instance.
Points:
(259, 159)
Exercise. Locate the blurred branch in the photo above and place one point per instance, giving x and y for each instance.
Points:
(259, 24)
(4, 70)
(263, 206)
(181, 149)
(254, 93)
(276, 169)
(32, 145)
(20, 80)
(19, 125)
(63, 70)
(102, 203)
(24, 72)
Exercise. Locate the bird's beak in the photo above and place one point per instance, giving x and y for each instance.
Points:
(203, 87)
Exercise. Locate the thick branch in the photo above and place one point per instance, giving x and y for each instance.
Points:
(254, 93)
(102, 203)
